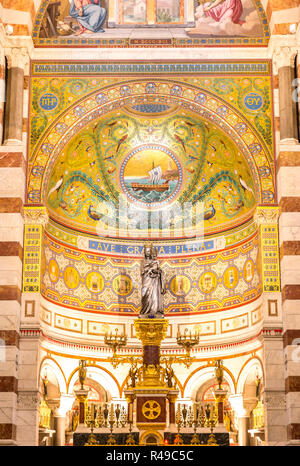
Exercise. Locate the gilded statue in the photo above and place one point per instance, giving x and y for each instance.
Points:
(219, 372)
(153, 287)
(170, 376)
(133, 374)
(82, 372)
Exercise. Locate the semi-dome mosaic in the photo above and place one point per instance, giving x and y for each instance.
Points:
(154, 170)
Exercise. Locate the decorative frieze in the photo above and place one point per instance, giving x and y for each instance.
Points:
(35, 218)
(28, 400)
(267, 220)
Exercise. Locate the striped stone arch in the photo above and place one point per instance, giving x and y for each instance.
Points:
(202, 102)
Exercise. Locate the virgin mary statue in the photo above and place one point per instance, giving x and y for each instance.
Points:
(153, 287)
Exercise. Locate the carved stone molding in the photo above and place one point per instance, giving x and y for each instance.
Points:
(283, 56)
(35, 215)
(266, 215)
(274, 399)
(17, 57)
(272, 332)
(28, 400)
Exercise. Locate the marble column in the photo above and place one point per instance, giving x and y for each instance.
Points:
(284, 65)
(17, 58)
(66, 402)
(243, 426)
(243, 418)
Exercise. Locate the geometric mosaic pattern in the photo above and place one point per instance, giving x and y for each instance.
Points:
(95, 282)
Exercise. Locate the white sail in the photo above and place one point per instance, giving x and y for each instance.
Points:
(155, 175)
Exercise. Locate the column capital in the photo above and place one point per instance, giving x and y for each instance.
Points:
(266, 215)
(237, 404)
(17, 57)
(284, 56)
(35, 215)
(65, 404)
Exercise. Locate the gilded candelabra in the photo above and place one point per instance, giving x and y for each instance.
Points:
(115, 340)
(187, 340)
(111, 440)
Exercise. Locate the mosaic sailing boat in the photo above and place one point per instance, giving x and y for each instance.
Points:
(155, 182)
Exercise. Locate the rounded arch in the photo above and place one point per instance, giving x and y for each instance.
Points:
(201, 375)
(101, 375)
(242, 377)
(48, 361)
(149, 435)
(209, 106)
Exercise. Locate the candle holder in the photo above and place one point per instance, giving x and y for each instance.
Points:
(130, 439)
(187, 340)
(115, 341)
(117, 415)
(195, 439)
(178, 439)
(111, 440)
(105, 415)
(202, 417)
(184, 413)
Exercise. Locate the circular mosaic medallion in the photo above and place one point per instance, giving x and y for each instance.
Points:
(151, 176)
(253, 101)
(71, 277)
(180, 285)
(53, 270)
(122, 285)
(248, 270)
(48, 101)
(94, 282)
(231, 277)
(208, 282)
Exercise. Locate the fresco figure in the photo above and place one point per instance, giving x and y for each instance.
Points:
(220, 10)
(153, 287)
(89, 14)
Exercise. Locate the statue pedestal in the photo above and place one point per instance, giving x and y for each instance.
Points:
(81, 396)
(220, 396)
(151, 392)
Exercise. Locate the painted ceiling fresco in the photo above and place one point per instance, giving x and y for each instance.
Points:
(160, 23)
(143, 169)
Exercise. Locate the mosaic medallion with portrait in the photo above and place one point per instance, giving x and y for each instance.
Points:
(208, 282)
(122, 285)
(180, 285)
(95, 282)
(71, 277)
(231, 277)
